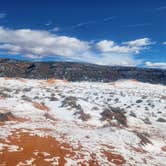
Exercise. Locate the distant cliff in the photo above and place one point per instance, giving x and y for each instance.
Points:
(78, 71)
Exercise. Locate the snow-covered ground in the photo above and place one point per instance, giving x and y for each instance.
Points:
(119, 123)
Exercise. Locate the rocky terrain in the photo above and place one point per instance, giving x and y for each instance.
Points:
(57, 122)
(78, 71)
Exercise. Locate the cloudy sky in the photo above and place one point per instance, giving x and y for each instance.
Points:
(107, 32)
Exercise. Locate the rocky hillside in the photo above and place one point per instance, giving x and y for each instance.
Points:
(78, 71)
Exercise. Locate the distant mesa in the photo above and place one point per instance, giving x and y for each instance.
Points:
(73, 71)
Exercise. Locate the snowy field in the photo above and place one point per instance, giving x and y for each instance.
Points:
(119, 123)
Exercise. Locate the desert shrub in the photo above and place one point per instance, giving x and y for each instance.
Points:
(82, 115)
(69, 101)
(117, 113)
(139, 101)
(6, 116)
(161, 120)
(143, 138)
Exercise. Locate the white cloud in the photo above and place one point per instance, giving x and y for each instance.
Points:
(112, 59)
(139, 42)
(2, 15)
(164, 43)
(39, 44)
(105, 45)
(129, 47)
(161, 65)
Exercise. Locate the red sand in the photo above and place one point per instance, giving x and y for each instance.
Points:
(29, 145)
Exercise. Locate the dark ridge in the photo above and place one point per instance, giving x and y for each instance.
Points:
(74, 71)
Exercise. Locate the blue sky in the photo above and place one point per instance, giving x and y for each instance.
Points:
(111, 32)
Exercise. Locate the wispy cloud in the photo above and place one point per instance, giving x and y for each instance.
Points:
(55, 29)
(109, 18)
(161, 65)
(95, 21)
(2, 15)
(79, 25)
(161, 8)
(136, 25)
(82, 24)
(48, 23)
